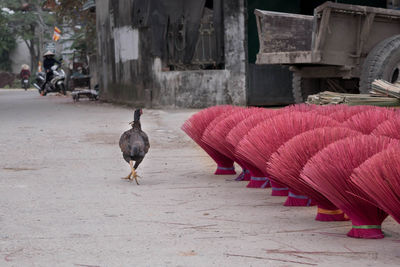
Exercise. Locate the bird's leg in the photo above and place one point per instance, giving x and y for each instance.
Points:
(133, 173)
(138, 161)
(136, 176)
(128, 177)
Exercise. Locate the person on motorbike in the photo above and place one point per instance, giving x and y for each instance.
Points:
(48, 62)
(24, 74)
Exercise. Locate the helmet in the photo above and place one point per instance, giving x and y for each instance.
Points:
(48, 53)
(25, 67)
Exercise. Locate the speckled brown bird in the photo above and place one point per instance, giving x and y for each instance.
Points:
(134, 145)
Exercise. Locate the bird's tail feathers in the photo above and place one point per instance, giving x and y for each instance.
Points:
(135, 151)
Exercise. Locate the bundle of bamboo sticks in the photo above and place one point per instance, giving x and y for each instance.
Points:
(327, 97)
(383, 93)
(386, 88)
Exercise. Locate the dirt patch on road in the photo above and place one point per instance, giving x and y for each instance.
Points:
(102, 138)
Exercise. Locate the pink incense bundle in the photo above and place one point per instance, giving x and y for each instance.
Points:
(287, 162)
(195, 126)
(215, 135)
(339, 112)
(329, 173)
(257, 178)
(389, 128)
(266, 138)
(346, 112)
(366, 121)
(302, 108)
(379, 178)
(221, 170)
(328, 110)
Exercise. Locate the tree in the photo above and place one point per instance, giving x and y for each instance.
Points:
(30, 23)
(7, 43)
(82, 23)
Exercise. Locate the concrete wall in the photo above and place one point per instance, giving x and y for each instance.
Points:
(130, 74)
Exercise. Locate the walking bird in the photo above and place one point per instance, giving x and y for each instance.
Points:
(134, 145)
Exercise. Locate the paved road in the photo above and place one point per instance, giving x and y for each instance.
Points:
(63, 202)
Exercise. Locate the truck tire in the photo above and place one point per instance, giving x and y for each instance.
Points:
(303, 87)
(382, 62)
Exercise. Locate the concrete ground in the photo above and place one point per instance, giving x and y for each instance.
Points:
(63, 202)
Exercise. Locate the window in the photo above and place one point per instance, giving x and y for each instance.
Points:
(207, 50)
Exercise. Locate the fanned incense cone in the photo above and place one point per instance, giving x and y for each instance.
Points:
(265, 138)
(297, 200)
(223, 170)
(215, 135)
(258, 182)
(366, 231)
(197, 124)
(237, 133)
(330, 214)
(287, 163)
(379, 178)
(367, 121)
(244, 176)
(257, 178)
(279, 190)
(333, 180)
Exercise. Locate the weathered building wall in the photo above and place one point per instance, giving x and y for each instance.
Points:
(210, 87)
(192, 88)
(130, 73)
(104, 42)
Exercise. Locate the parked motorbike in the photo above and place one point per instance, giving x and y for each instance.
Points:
(40, 79)
(56, 83)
